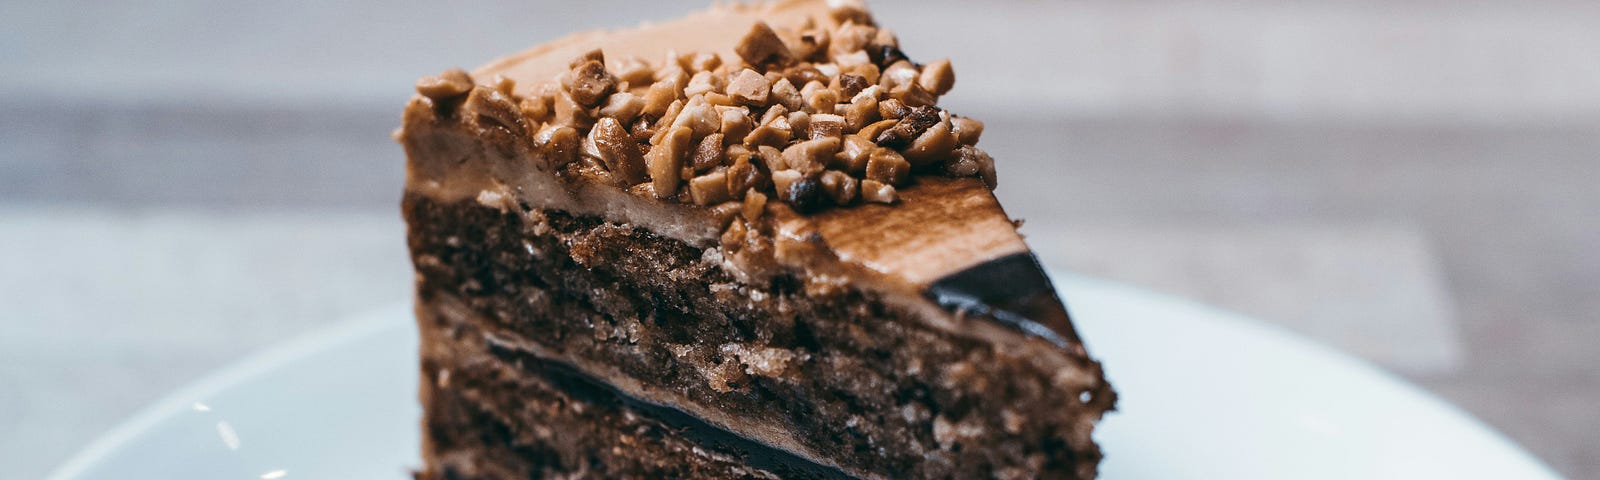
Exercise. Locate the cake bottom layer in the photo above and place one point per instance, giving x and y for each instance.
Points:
(494, 412)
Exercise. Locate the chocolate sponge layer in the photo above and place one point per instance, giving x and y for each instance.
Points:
(849, 380)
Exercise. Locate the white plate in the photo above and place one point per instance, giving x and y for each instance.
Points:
(1204, 395)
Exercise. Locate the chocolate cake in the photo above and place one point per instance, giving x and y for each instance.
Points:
(747, 243)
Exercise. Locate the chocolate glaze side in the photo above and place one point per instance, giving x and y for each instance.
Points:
(576, 383)
(1012, 290)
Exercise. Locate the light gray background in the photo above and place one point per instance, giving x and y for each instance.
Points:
(1412, 181)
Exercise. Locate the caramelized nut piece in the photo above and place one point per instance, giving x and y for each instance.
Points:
(703, 82)
(590, 56)
(967, 130)
(852, 59)
(700, 117)
(734, 236)
(804, 194)
(937, 77)
(749, 88)
(708, 189)
(782, 179)
(557, 145)
(703, 62)
(820, 99)
(808, 43)
(503, 84)
(591, 83)
(867, 71)
(893, 108)
(853, 155)
(825, 125)
(755, 203)
(969, 161)
(488, 104)
(872, 131)
(811, 156)
(799, 122)
(735, 123)
(840, 187)
(863, 110)
(536, 109)
(761, 46)
(877, 192)
(619, 151)
(665, 159)
(851, 37)
(741, 174)
(887, 166)
(913, 95)
(448, 84)
(774, 133)
(850, 85)
(908, 128)
(934, 145)
(709, 153)
(569, 113)
(899, 73)
(660, 95)
(784, 93)
(771, 157)
(623, 106)
(635, 71)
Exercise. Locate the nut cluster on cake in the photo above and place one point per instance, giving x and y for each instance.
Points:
(813, 117)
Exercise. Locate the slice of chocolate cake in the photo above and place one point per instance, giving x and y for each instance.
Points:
(743, 244)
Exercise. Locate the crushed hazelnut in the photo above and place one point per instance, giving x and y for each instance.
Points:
(913, 95)
(825, 125)
(557, 145)
(968, 161)
(537, 108)
(497, 108)
(967, 130)
(852, 59)
(622, 106)
(505, 85)
(850, 85)
(710, 188)
(591, 83)
(937, 77)
(761, 47)
(784, 93)
(771, 157)
(703, 82)
(755, 203)
(799, 121)
(811, 156)
(700, 117)
(709, 153)
(703, 62)
(734, 236)
(741, 174)
(898, 73)
(735, 122)
(888, 166)
(595, 55)
(665, 159)
(804, 193)
(448, 84)
(749, 88)
(893, 108)
(634, 70)
(851, 37)
(569, 113)
(934, 145)
(854, 154)
(877, 192)
(618, 151)
(908, 127)
(840, 187)
(862, 110)
(660, 95)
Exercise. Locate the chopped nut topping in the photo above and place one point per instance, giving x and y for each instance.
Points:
(591, 83)
(762, 47)
(619, 151)
(937, 77)
(967, 130)
(755, 203)
(828, 114)
(888, 166)
(557, 144)
(665, 160)
(811, 156)
(709, 153)
(840, 187)
(448, 84)
(750, 88)
(709, 188)
(877, 192)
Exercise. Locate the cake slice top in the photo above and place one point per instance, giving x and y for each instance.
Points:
(794, 135)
